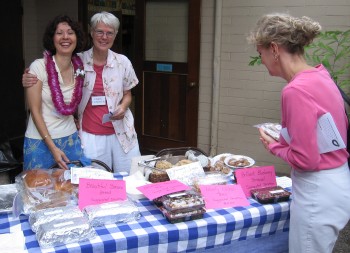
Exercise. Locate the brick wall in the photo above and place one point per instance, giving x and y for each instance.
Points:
(248, 95)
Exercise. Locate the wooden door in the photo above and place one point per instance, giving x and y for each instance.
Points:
(167, 65)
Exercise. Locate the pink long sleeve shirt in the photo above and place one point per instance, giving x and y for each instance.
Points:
(309, 95)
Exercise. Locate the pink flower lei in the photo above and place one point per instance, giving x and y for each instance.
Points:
(56, 92)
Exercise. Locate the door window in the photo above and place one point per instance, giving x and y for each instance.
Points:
(166, 30)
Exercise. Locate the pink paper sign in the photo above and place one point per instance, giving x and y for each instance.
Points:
(258, 177)
(152, 191)
(221, 196)
(98, 191)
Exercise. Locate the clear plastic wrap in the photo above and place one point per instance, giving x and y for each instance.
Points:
(272, 129)
(37, 179)
(34, 201)
(40, 189)
(210, 178)
(7, 194)
(72, 230)
(270, 194)
(182, 202)
(181, 217)
(112, 212)
(53, 214)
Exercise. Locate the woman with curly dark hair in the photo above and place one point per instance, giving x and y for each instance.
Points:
(51, 136)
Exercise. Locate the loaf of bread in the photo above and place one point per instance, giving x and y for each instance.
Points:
(37, 178)
(61, 184)
(65, 186)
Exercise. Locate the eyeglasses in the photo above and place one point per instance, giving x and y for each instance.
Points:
(100, 33)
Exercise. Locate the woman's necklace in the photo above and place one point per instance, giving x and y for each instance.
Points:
(54, 84)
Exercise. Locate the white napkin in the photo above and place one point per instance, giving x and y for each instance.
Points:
(135, 180)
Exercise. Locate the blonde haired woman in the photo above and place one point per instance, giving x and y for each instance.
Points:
(320, 205)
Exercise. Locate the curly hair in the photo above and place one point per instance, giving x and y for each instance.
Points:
(50, 30)
(290, 32)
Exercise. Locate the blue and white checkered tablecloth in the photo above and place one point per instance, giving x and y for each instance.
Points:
(153, 233)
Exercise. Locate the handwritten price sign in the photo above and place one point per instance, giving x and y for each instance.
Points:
(152, 191)
(221, 196)
(98, 191)
(254, 178)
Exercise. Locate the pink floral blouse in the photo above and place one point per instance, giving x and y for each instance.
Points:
(118, 75)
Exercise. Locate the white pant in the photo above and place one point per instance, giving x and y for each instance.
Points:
(107, 149)
(320, 208)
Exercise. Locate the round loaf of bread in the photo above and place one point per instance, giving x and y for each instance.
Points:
(37, 178)
(65, 186)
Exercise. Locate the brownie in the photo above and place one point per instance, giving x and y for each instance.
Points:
(184, 201)
(270, 194)
(181, 217)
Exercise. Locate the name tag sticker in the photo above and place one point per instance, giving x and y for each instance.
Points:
(98, 100)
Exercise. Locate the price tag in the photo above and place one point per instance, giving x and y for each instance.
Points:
(254, 178)
(86, 172)
(186, 173)
(152, 191)
(99, 191)
(221, 196)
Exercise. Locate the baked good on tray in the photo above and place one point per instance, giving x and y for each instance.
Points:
(159, 174)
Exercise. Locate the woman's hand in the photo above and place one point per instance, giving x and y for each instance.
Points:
(28, 80)
(60, 158)
(119, 113)
(266, 140)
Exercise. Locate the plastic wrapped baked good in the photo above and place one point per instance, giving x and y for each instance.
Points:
(7, 194)
(37, 179)
(181, 217)
(272, 129)
(184, 201)
(159, 174)
(40, 189)
(34, 201)
(210, 178)
(270, 194)
(72, 230)
(112, 212)
(62, 184)
(53, 214)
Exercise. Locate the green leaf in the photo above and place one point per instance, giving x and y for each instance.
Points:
(255, 60)
(332, 49)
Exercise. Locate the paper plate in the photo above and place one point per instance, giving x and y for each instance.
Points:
(239, 161)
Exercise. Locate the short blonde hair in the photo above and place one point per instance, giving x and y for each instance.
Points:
(290, 32)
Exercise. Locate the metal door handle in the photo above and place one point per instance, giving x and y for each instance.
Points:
(192, 84)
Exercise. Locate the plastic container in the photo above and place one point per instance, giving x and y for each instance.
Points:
(182, 217)
(210, 178)
(182, 202)
(270, 194)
